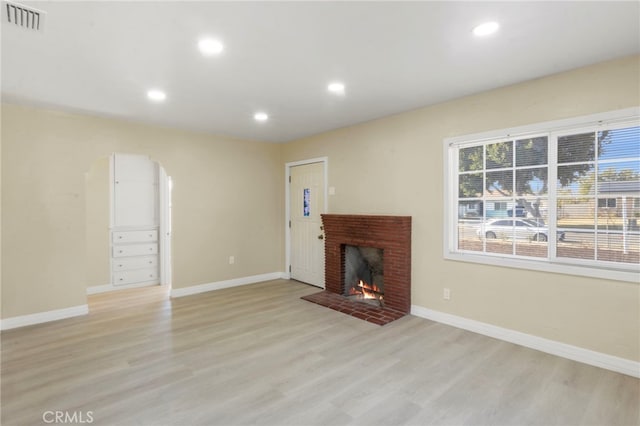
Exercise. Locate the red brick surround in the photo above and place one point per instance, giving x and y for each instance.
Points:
(392, 234)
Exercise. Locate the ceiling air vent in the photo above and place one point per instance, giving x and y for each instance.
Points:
(23, 16)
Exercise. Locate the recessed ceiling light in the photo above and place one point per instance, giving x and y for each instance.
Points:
(486, 29)
(210, 46)
(156, 95)
(260, 116)
(336, 87)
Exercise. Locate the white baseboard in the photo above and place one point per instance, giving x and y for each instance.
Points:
(97, 289)
(575, 353)
(40, 317)
(202, 288)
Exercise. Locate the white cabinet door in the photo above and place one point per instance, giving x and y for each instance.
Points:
(135, 168)
(135, 191)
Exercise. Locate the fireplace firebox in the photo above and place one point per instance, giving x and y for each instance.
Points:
(364, 274)
(375, 250)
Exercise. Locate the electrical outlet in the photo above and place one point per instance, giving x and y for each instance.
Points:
(232, 260)
(446, 294)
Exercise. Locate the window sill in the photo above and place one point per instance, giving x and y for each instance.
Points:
(546, 266)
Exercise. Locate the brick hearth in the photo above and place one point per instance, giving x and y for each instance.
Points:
(392, 234)
(365, 311)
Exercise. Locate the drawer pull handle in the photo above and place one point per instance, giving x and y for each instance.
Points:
(151, 248)
(121, 279)
(119, 266)
(119, 237)
(119, 251)
(150, 235)
(150, 275)
(150, 262)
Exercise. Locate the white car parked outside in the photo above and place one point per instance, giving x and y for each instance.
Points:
(522, 229)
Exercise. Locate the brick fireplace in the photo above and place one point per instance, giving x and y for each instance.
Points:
(391, 235)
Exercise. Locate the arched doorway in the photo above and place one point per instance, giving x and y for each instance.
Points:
(128, 223)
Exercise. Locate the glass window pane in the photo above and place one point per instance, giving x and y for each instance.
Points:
(470, 185)
(500, 155)
(619, 143)
(619, 246)
(306, 202)
(576, 220)
(470, 209)
(469, 219)
(577, 148)
(609, 215)
(498, 209)
(619, 179)
(577, 179)
(470, 159)
(578, 244)
(606, 202)
(531, 152)
(532, 232)
(497, 234)
(531, 181)
(500, 183)
(578, 212)
(530, 209)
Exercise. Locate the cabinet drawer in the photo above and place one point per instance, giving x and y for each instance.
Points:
(135, 276)
(134, 250)
(139, 262)
(135, 236)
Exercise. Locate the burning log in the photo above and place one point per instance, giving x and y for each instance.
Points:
(368, 292)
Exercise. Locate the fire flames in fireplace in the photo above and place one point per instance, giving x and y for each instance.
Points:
(368, 291)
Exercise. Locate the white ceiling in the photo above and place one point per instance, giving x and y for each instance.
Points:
(102, 57)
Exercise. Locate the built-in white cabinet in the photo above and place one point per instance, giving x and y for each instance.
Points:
(134, 257)
(135, 224)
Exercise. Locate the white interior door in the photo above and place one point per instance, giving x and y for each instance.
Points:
(306, 205)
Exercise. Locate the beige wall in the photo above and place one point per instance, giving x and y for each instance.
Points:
(1, 259)
(395, 166)
(97, 214)
(227, 200)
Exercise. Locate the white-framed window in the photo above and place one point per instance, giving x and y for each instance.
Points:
(604, 203)
(558, 196)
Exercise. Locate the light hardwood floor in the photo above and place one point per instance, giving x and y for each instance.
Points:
(258, 354)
